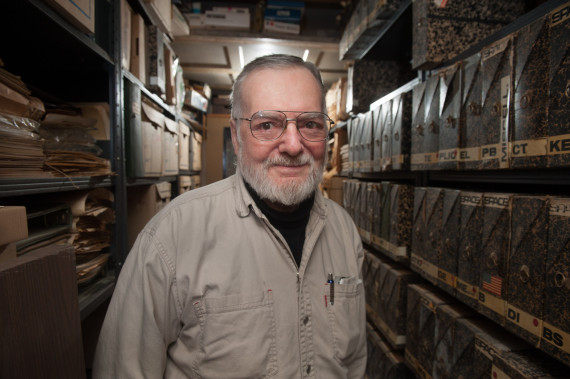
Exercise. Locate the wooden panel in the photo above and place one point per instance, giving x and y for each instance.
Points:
(40, 327)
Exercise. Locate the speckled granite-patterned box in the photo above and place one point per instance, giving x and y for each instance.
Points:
(530, 100)
(556, 322)
(449, 242)
(428, 208)
(469, 250)
(450, 103)
(496, 114)
(402, 205)
(425, 124)
(423, 301)
(527, 266)
(529, 363)
(470, 116)
(378, 126)
(418, 126)
(386, 300)
(371, 80)
(366, 142)
(352, 128)
(374, 202)
(454, 348)
(401, 131)
(495, 239)
(559, 88)
(385, 209)
(444, 29)
(383, 361)
(387, 137)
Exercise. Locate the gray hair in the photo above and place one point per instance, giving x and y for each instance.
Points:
(275, 61)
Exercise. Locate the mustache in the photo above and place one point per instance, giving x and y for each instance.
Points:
(283, 160)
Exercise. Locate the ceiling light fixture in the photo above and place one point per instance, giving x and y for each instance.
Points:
(241, 59)
(306, 54)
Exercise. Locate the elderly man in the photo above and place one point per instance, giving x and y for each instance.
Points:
(257, 275)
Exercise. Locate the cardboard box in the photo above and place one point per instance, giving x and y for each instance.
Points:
(556, 322)
(144, 135)
(196, 20)
(138, 48)
(194, 99)
(80, 13)
(169, 75)
(156, 63)
(449, 243)
(179, 24)
(170, 158)
(400, 137)
(495, 239)
(528, 144)
(469, 250)
(14, 226)
(273, 26)
(527, 266)
(334, 189)
(184, 184)
(97, 111)
(558, 102)
(13, 223)
(227, 20)
(195, 151)
(450, 105)
(161, 14)
(126, 30)
(195, 181)
(143, 202)
(496, 112)
(183, 146)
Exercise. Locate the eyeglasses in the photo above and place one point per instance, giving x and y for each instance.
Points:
(270, 125)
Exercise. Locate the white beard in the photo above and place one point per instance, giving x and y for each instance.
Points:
(292, 192)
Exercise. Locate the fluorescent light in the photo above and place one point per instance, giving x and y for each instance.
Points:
(241, 60)
(306, 54)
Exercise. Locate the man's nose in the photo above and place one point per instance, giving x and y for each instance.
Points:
(291, 139)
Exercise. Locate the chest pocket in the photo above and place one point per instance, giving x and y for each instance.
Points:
(238, 336)
(343, 318)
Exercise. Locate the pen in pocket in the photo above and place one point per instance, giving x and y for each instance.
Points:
(330, 281)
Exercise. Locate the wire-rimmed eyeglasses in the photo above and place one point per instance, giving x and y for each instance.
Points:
(270, 125)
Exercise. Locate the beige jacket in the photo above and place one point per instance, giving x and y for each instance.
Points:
(211, 290)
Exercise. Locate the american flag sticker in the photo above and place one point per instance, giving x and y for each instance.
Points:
(492, 284)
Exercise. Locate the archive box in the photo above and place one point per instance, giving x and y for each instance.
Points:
(470, 116)
(469, 253)
(449, 242)
(400, 137)
(450, 105)
(383, 361)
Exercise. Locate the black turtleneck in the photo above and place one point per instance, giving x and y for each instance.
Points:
(291, 225)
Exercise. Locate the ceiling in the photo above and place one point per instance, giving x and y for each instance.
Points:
(212, 56)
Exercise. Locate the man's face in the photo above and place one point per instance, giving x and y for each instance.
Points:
(285, 171)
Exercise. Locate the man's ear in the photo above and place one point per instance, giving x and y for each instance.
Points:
(234, 131)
